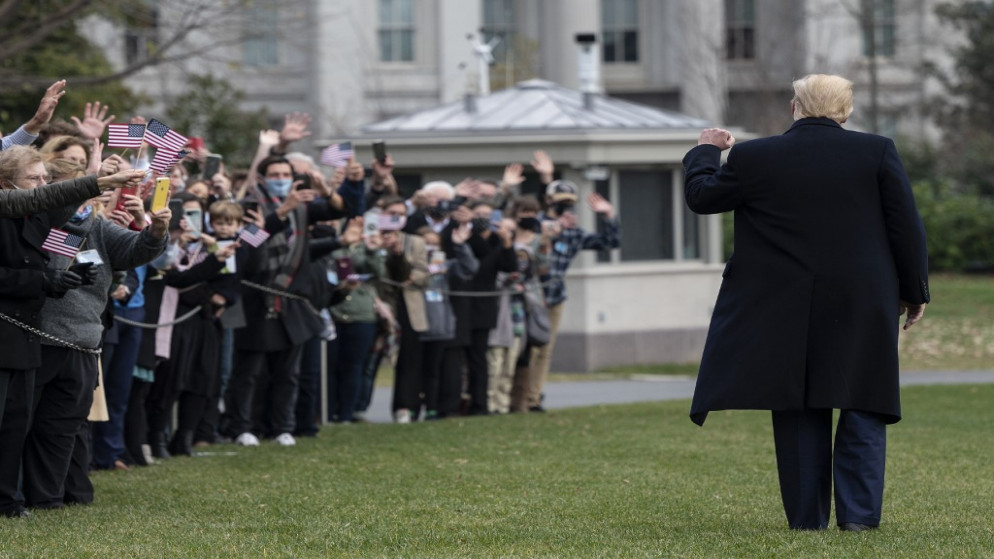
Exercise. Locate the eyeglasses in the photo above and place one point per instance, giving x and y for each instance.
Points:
(38, 180)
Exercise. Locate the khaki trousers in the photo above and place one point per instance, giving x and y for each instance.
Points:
(500, 365)
(541, 357)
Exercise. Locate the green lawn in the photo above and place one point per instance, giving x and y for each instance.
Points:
(610, 481)
(958, 329)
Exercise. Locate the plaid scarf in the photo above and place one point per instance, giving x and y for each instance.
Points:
(284, 251)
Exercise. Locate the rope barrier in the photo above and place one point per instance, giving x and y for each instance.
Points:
(150, 326)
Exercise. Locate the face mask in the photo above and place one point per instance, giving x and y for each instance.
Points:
(81, 215)
(180, 185)
(481, 224)
(562, 207)
(279, 187)
(431, 248)
(435, 213)
(528, 223)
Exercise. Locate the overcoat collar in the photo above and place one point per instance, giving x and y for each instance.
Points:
(820, 121)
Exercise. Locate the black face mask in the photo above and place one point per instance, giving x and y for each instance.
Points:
(481, 224)
(529, 224)
(436, 213)
(562, 207)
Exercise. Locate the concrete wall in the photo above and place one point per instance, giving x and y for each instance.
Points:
(636, 314)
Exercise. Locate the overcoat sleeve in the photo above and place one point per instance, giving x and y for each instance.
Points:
(708, 186)
(905, 230)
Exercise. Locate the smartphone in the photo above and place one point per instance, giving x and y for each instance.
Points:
(305, 181)
(359, 277)
(391, 222)
(344, 267)
(380, 151)
(371, 223)
(195, 221)
(129, 190)
(160, 198)
(250, 205)
(175, 206)
(495, 219)
(212, 166)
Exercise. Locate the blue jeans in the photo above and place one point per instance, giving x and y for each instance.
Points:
(354, 341)
(108, 436)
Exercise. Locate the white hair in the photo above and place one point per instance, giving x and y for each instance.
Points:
(443, 189)
(300, 156)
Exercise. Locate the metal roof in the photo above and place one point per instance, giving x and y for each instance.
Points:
(535, 106)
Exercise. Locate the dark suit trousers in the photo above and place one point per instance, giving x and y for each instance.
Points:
(63, 394)
(262, 392)
(805, 465)
(16, 389)
(408, 377)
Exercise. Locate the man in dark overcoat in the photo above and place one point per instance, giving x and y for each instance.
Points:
(829, 251)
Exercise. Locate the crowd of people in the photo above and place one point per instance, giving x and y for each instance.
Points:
(117, 317)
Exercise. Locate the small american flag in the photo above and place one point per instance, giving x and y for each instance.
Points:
(162, 136)
(252, 235)
(125, 135)
(164, 160)
(61, 242)
(337, 155)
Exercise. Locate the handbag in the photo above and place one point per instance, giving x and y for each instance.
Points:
(537, 326)
(438, 311)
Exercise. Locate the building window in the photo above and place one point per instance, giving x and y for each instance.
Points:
(879, 28)
(619, 19)
(740, 29)
(396, 30)
(260, 27)
(646, 202)
(498, 21)
(141, 36)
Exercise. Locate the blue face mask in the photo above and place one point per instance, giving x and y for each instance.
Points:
(81, 215)
(279, 187)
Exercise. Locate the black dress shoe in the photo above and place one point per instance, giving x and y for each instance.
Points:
(19, 512)
(855, 527)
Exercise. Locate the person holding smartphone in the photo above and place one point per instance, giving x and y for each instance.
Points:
(269, 346)
(360, 262)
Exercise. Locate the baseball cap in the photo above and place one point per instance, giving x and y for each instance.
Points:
(561, 191)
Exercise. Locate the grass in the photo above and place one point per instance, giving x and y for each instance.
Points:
(957, 331)
(609, 481)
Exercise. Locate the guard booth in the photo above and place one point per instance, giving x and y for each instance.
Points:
(647, 302)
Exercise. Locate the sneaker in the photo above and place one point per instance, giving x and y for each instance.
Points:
(285, 439)
(247, 439)
(147, 454)
(402, 416)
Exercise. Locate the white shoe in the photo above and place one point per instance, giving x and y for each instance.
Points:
(402, 416)
(286, 439)
(247, 439)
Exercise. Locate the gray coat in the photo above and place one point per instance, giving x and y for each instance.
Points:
(19, 203)
(76, 317)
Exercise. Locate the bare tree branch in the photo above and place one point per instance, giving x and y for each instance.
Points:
(47, 27)
(7, 9)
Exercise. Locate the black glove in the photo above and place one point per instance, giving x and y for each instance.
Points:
(57, 282)
(86, 271)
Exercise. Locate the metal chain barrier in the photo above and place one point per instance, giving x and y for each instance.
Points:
(49, 337)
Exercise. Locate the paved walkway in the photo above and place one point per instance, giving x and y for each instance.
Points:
(651, 388)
